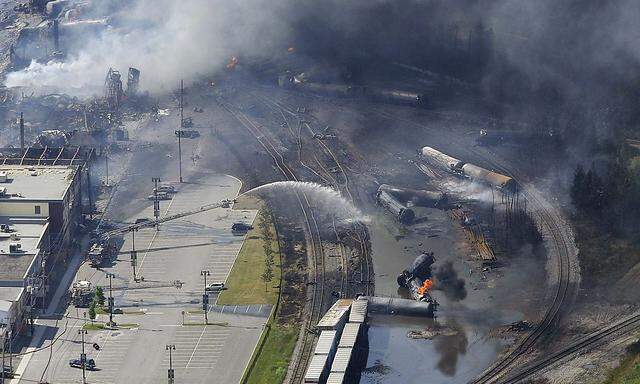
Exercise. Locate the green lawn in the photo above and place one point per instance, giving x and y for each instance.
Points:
(273, 360)
(244, 285)
(627, 373)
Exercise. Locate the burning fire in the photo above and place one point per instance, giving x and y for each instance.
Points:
(426, 287)
(232, 63)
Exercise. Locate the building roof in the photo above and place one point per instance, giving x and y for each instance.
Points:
(9, 295)
(29, 235)
(32, 182)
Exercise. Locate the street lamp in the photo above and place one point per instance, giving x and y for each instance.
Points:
(205, 297)
(83, 356)
(170, 375)
(110, 303)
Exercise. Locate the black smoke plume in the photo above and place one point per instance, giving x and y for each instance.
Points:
(447, 280)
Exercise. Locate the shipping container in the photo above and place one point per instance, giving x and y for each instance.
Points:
(341, 360)
(326, 343)
(336, 378)
(318, 369)
(358, 312)
(349, 336)
(336, 316)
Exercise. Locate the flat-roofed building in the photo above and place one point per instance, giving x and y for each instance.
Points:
(24, 246)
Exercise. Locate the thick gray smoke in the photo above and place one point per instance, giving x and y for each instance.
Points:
(447, 280)
(546, 53)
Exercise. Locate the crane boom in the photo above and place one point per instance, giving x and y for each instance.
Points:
(152, 223)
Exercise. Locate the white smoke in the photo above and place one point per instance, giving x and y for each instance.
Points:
(166, 40)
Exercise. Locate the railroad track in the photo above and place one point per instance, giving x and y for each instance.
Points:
(344, 187)
(314, 240)
(551, 226)
(627, 325)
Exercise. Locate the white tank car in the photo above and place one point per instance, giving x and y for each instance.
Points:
(439, 158)
(491, 178)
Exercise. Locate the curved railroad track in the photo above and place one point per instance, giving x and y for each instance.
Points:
(551, 225)
(314, 240)
(627, 325)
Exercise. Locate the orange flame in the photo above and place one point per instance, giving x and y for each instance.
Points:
(426, 287)
(232, 63)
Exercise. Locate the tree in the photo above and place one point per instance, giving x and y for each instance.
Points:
(92, 310)
(267, 276)
(100, 296)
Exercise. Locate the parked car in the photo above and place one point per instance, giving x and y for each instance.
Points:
(166, 189)
(7, 373)
(77, 363)
(215, 287)
(241, 227)
(161, 196)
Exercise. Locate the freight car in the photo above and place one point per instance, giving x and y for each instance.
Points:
(491, 178)
(355, 91)
(440, 159)
(395, 96)
(468, 170)
(403, 214)
(422, 198)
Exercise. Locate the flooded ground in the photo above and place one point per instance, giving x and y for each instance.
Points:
(489, 300)
(451, 358)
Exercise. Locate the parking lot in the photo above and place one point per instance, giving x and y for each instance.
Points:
(168, 293)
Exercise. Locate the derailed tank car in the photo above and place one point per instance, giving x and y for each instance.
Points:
(491, 178)
(438, 158)
(396, 96)
(423, 198)
(403, 214)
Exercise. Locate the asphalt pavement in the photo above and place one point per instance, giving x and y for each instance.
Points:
(164, 306)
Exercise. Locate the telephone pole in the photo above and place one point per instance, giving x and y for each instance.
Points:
(180, 133)
(170, 374)
(110, 302)
(22, 133)
(205, 297)
(83, 356)
(181, 104)
(134, 254)
(106, 161)
(156, 202)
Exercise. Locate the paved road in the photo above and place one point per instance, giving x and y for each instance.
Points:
(154, 308)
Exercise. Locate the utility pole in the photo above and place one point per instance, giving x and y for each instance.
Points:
(83, 356)
(22, 133)
(181, 104)
(205, 297)
(4, 344)
(180, 133)
(110, 302)
(170, 375)
(106, 161)
(134, 254)
(156, 203)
